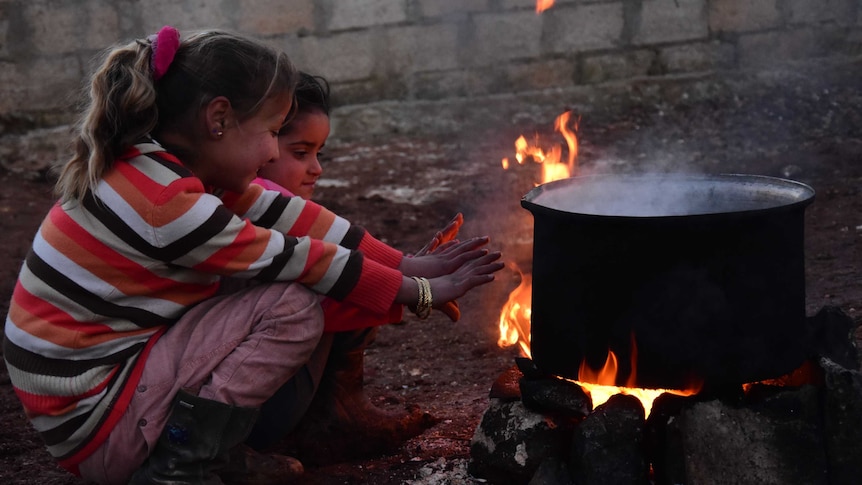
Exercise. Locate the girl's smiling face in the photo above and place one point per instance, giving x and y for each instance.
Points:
(232, 159)
(297, 167)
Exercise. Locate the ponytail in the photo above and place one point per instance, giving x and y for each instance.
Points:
(121, 110)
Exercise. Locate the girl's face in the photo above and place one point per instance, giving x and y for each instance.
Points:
(244, 148)
(297, 167)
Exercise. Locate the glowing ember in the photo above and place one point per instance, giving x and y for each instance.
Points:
(514, 324)
(542, 5)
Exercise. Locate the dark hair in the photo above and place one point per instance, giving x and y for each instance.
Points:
(312, 92)
(125, 105)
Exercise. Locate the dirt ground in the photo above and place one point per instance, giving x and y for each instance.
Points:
(806, 126)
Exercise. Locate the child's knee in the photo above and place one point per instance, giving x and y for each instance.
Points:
(298, 305)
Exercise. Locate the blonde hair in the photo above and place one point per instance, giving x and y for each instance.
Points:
(126, 106)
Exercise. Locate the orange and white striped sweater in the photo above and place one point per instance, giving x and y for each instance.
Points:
(107, 276)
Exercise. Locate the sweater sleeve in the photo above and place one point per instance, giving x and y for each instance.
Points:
(380, 251)
(355, 237)
(205, 235)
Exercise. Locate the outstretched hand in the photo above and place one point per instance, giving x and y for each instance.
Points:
(444, 259)
(478, 270)
(453, 266)
(471, 265)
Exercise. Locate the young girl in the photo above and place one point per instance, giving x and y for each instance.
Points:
(342, 423)
(126, 362)
(301, 140)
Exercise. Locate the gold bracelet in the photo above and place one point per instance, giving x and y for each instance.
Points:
(423, 305)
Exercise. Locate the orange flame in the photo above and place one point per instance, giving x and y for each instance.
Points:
(552, 167)
(542, 5)
(515, 316)
(601, 384)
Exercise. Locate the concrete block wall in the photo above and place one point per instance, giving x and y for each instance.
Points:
(425, 50)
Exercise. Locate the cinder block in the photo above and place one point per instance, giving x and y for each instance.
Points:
(422, 48)
(501, 37)
(347, 56)
(671, 21)
(292, 46)
(442, 8)
(743, 15)
(816, 11)
(446, 84)
(381, 89)
(144, 18)
(264, 17)
(351, 14)
(59, 79)
(516, 4)
(540, 74)
(705, 56)
(617, 65)
(583, 27)
(66, 28)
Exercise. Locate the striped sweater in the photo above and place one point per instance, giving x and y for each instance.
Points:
(107, 276)
(342, 316)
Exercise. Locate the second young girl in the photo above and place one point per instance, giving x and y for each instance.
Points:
(342, 423)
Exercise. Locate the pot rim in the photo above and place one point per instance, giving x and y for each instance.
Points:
(795, 194)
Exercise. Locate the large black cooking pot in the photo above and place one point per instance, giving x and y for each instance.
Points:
(705, 273)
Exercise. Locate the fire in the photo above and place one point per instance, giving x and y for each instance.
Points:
(552, 166)
(514, 323)
(601, 384)
(542, 5)
(515, 317)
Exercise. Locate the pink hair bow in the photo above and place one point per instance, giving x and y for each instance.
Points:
(165, 45)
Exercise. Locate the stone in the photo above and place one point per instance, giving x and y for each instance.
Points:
(552, 471)
(607, 447)
(778, 441)
(833, 334)
(843, 422)
(511, 442)
(554, 395)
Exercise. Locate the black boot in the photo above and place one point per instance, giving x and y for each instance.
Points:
(198, 442)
